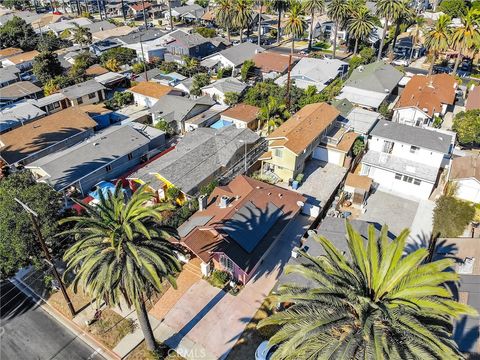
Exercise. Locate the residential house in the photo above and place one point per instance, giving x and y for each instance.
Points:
(28, 16)
(239, 226)
(9, 75)
(104, 156)
(67, 25)
(23, 61)
(185, 85)
(233, 57)
(170, 79)
(219, 88)
(201, 156)
(370, 85)
(10, 51)
(101, 46)
(206, 118)
(44, 136)
(51, 103)
(19, 91)
(88, 92)
(296, 140)
(102, 25)
(187, 13)
(146, 94)
(12, 116)
(191, 45)
(112, 80)
(40, 25)
(315, 72)
(135, 10)
(466, 254)
(465, 174)
(242, 116)
(113, 33)
(357, 188)
(144, 49)
(271, 65)
(473, 100)
(405, 159)
(356, 118)
(95, 70)
(424, 99)
(150, 74)
(175, 110)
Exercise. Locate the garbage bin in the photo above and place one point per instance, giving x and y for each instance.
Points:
(294, 185)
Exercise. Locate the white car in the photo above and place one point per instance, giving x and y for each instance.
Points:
(265, 351)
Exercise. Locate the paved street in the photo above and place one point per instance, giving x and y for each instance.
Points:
(28, 332)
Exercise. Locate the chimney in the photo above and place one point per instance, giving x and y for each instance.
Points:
(202, 202)
(223, 202)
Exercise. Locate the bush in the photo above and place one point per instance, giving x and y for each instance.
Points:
(451, 216)
(467, 126)
(231, 98)
(118, 100)
(219, 278)
(173, 193)
(165, 126)
(358, 146)
(206, 32)
(322, 45)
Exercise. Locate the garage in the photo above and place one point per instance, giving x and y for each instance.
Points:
(328, 155)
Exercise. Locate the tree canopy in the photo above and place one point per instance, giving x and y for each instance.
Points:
(467, 126)
(206, 32)
(453, 8)
(199, 80)
(120, 54)
(46, 66)
(17, 33)
(451, 216)
(19, 246)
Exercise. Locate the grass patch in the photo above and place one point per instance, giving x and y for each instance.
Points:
(111, 328)
(218, 278)
(251, 336)
(164, 352)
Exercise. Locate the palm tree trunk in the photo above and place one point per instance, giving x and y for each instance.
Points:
(145, 325)
(170, 12)
(293, 44)
(385, 27)
(457, 60)
(310, 40)
(260, 23)
(335, 39)
(123, 10)
(241, 33)
(144, 15)
(228, 33)
(395, 35)
(279, 28)
(356, 47)
(430, 70)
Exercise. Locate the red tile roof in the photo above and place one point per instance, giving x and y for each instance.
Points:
(139, 7)
(242, 112)
(473, 100)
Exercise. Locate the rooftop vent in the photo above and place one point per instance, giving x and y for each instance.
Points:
(223, 202)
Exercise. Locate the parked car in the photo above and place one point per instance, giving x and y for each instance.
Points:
(438, 69)
(265, 351)
(401, 61)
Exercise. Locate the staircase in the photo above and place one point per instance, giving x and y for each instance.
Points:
(193, 267)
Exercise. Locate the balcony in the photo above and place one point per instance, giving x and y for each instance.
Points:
(335, 133)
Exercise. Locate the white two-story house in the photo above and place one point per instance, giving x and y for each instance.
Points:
(406, 160)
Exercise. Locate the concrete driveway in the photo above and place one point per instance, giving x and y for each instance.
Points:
(209, 321)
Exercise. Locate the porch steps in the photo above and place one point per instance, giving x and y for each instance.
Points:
(193, 266)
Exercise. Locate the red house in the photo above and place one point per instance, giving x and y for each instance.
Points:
(238, 224)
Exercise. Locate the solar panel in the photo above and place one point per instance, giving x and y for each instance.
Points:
(250, 224)
(187, 227)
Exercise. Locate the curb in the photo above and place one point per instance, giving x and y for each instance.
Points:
(98, 347)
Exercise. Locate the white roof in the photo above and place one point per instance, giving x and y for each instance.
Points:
(109, 77)
(362, 97)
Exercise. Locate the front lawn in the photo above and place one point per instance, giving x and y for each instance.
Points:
(111, 328)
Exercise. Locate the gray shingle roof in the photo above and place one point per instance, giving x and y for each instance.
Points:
(69, 165)
(228, 85)
(100, 26)
(377, 76)
(194, 9)
(8, 73)
(429, 139)
(82, 89)
(240, 53)
(176, 108)
(189, 40)
(146, 35)
(14, 115)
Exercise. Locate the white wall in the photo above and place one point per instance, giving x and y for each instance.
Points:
(411, 116)
(223, 61)
(142, 100)
(215, 94)
(468, 189)
(387, 182)
(402, 150)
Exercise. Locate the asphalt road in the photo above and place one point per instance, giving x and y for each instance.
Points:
(27, 332)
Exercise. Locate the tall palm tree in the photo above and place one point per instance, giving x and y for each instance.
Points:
(466, 36)
(416, 33)
(280, 6)
(313, 6)
(389, 10)
(242, 15)
(295, 24)
(437, 39)
(273, 114)
(374, 303)
(81, 35)
(360, 25)
(224, 15)
(338, 11)
(121, 253)
(405, 15)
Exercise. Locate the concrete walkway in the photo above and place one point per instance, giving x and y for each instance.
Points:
(422, 225)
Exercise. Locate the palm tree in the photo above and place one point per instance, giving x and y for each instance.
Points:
(190, 65)
(295, 24)
(170, 14)
(338, 11)
(81, 35)
(466, 36)
(437, 39)
(405, 15)
(312, 6)
(374, 304)
(224, 15)
(121, 253)
(389, 10)
(273, 114)
(417, 31)
(280, 6)
(242, 15)
(360, 25)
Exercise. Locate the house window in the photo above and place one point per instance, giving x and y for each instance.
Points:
(227, 263)
(91, 96)
(407, 179)
(417, 181)
(130, 156)
(414, 149)
(79, 101)
(398, 176)
(278, 153)
(365, 170)
(387, 146)
(108, 168)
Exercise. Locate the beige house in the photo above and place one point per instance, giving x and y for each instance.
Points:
(295, 140)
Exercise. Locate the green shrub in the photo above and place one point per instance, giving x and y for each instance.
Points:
(299, 178)
(173, 193)
(358, 146)
(219, 278)
(451, 216)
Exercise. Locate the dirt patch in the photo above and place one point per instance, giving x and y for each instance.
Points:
(111, 328)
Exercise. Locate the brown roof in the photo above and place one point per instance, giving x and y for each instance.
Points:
(242, 112)
(208, 16)
(5, 53)
(96, 70)
(19, 89)
(205, 240)
(473, 100)
(428, 93)
(305, 126)
(358, 181)
(24, 56)
(465, 167)
(347, 141)
(42, 133)
(271, 61)
(151, 89)
(139, 7)
(95, 109)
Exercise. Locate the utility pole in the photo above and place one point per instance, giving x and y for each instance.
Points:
(259, 22)
(144, 15)
(170, 14)
(143, 59)
(288, 80)
(34, 218)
